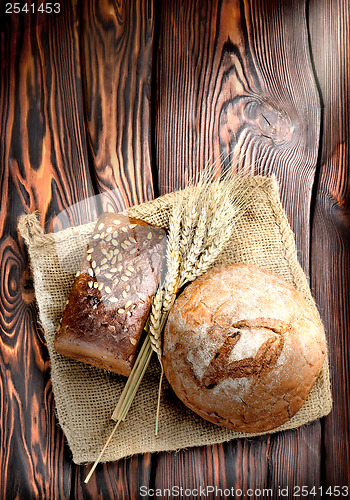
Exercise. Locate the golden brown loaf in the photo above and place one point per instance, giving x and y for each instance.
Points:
(112, 293)
(242, 348)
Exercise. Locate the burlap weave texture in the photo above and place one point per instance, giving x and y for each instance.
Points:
(85, 396)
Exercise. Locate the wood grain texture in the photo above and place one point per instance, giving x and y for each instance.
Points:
(117, 50)
(330, 273)
(44, 167)
(236, 78)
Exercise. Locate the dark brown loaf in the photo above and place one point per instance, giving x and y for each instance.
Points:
(112, 293)
(242, 348)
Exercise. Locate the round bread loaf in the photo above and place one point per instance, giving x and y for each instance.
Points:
(242, 348)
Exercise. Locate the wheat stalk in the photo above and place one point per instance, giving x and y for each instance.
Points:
(200, 225)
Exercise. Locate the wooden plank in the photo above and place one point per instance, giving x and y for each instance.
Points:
(235, 78)
(117, 57)
(117, 51)
(330, 273)
(43, 166)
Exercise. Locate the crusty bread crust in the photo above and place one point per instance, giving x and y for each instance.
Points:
(112, 293)
(242, 348)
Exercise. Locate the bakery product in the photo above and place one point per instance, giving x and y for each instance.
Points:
(242, 348)
(112, 293)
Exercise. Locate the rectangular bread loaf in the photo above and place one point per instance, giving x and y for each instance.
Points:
(112, 293)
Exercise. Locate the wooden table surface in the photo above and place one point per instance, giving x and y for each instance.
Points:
(138, 95)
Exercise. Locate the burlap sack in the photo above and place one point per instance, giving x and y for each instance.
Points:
(85, 397)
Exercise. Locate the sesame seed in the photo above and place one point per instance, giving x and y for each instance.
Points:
(101, 226)
(95, 284)
(120, 257)
(116, 251)
(91, 284)
(115, 234)
(114, 260)
(132, 239)
(104, 251)
(128, 273)
(124, 247)
(133, 341)
(102, 235)
(105, 266)
(116, 221)
(88, 258)
(121, 311)
(127, 243)
(108, 237)
(133, 250)
(149, 236)
(113, 299)
(113, 269)
(125, 294)
(124, 229)
(109, 276)
(90, 250)
(107, 289)
(97, 270)
(90, 271)
(115, 243)
(109, 229)
(128, 304)
(124, 278)
(100, 286)
(103, 261)
(116, 281)
(131, 269)
(127, 288)
(96, 236)
(132, 226)
(93, 264)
